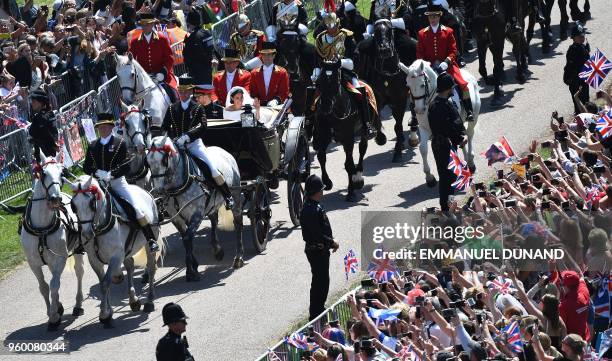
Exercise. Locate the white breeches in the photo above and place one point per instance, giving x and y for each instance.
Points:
(198, 150)
(127, 191)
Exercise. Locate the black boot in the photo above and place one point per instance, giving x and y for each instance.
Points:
(368, 129)
(469, 112)
(150, 236)
(227, 194)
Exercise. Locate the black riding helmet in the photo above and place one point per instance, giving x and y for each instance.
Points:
(173, 313)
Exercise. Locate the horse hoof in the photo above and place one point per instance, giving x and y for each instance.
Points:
(219, 254)
(53, 326)
(145, 278)
(328, 184)
(431, 182)
(135, 306)
(192, 277)
(107, 322)
(117, 279)
(238, 263)
(148, 307)
(397, 157)
(413, 142)
(381, 138)
(60, 309)
(78, 311)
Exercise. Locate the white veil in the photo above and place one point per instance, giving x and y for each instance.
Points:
(245, 96)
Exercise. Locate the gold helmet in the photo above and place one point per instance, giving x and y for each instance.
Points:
(331, 21)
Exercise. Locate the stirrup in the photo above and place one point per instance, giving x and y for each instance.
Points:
(153, 246)
(469, 115)
(370, 132)
(229, 203)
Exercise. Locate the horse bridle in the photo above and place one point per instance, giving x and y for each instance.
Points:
(297, 74)
(42, 180)
(147, 119)
(333, 101)
(93, 203)
(378, 62)
(134, 88)
(427, 94)
(165, 161)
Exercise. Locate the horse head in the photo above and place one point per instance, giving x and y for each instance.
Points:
(421, 80)
(329, 84)
(126, 73)
(87, 199)
(50, 179)
(162, 159)
(289, 51)
(384, 39)
(135, 123)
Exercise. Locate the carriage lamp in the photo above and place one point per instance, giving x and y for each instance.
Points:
(247, 118)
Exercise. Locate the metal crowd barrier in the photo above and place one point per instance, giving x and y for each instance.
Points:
(109, 95)
(70, 124)
(15, 158)
(255, 12)
(287, 352)
(59, 90)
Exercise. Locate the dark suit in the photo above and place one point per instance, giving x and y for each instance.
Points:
(110, 157)
(576, 56)
(43, 134)
(198, 53)
(191, 121)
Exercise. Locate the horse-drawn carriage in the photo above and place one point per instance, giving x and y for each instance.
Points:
(265, 154)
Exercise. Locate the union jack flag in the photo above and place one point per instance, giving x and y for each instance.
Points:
(595, 70)
(350, 263)
(300, 341)
(464, 180)
(382, 270)
(455, 163)
(514, 337)
(604, 124)
(407, 354)
(504, 285)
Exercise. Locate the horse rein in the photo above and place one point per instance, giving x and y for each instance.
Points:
(428, 94)
(134, 88)
(42, 180)
(147, 118)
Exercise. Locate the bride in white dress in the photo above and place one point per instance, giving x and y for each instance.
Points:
(237, 98)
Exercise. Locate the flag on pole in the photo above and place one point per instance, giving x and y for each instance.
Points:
(500, 151)
(350, 263)
(604, 124)
(514, 337)
(595, 70)
(455, 163)
(382, 270)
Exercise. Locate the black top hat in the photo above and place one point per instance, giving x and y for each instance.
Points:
(173, 313)
(185, 82)
(314, 184)
(194, 18)
(578, 29)
(231, 55)
(445, 82)
(434, 9)
(105, 118)
(146, 18)
(40, 95)
(268, 47)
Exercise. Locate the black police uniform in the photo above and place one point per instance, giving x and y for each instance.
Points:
(43, 134)
(112, 157)
(576, 56)
(172, 347)
(447, 130)
(317, 234)
(198, 51)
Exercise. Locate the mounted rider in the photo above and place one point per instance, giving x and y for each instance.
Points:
(107, 159)
(152, 51)
(185, 121)
(269, 82)
(393, 10)
(436, 44)
(338, 44)
(42, 133)
(287, 15)
(248, 42)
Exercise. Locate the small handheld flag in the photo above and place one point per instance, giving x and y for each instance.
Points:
(503, 285)
(300, 341)
(382, 270)
(514, 337)
(350, 263)
(595, 70)
(455, 163)
(464, 180)
(500, 151)
(604, 124)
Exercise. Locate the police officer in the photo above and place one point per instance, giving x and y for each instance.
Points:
(43, 131)
(448, 131)
(107, 159)
(198, 51)
(172, 347)
(577, 55)
(317, 234)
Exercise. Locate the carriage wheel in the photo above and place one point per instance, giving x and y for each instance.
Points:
(295, 189)
(260, 215)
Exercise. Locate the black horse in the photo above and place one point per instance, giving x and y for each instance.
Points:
(379, 66)
(297, 57)
(337, 115)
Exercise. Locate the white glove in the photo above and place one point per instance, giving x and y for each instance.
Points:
(443, 66)
(315, 74)
(398, 23)
(103, 175)
(271, 32)
(273, 103)
(182, 140)
(370, 29)
(253, 63)
(346, 64)
(303, 29)
(160, 77)
(367, 36)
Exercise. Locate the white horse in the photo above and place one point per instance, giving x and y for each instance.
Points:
(188, 202)
(137, 85)
(135, 126)
(109, 240)
(422, 81)
(46, 239)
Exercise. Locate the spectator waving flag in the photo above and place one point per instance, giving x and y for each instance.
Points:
(503, 285)
(382, 270)
(601, 302)
(407, 354)
(455, 163)
(595, 70)
(464, 180)
(299, 340)
(350, 263)
(514, 337)
(604, 124)
(500, 151)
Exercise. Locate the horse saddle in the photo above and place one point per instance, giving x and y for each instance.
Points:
(198, 169)
(122, 208)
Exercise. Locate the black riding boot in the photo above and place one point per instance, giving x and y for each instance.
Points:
(469, 112)
(150, 236)
(368, 129)
(227, 194)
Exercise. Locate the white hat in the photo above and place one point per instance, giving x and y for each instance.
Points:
(348, 6)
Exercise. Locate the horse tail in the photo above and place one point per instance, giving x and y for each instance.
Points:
(70, 264)
(226, 219)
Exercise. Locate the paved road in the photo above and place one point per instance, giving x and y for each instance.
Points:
(234, 315)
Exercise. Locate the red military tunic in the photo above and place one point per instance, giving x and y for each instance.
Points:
(154, 56)
(241, 78)
(436, 47)
(277, 88)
